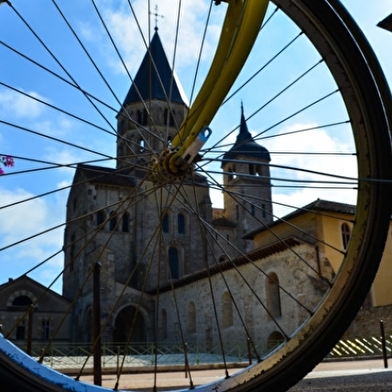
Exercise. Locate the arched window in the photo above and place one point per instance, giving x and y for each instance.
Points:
(191, 318)
(346, 234)
(169, 117)
(145, 117)
(172, 121)
(251, 168)
(45, 329)
(174, 263)
(142, 145)
(165, 223)
(142, 117)
(227, 310)
(181, 223)
(125, 223)
(101, 219)
(273, 295)
(22, 301)
(129, 325)
(230, 175)
(166, 117)
(113, 221)
(274, 340)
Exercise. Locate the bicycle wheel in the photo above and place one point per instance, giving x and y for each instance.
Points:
(180, 265)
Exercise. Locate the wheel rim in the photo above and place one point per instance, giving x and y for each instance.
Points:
(370, 213)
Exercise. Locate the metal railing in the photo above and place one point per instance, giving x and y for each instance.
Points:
(67, 356)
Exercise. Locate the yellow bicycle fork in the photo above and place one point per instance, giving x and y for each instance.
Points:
(240, 29)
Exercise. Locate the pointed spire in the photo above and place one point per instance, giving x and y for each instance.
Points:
(386, 23)
(244, 134)
(245, 145)
(154, 79)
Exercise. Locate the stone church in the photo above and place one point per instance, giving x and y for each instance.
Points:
(120, 218)
(173, 266)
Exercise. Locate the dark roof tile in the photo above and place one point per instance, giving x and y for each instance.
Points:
(154, 79)
(245, 145)
(107, 176)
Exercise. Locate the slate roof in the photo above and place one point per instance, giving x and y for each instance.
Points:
(386, 23)
(245, 145)
(25, 280)
(109, 176)
(106, 176)
(154, 79)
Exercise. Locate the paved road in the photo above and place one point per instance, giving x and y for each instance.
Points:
(348, 376)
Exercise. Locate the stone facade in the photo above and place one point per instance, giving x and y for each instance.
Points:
(172, 262)
(49, 313)
(244, 293)
(119, 239)
(144, 235)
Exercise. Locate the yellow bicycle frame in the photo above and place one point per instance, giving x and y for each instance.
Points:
(240, 29)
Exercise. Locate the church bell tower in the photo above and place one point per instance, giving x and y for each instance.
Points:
(247, 185)
(153, 109)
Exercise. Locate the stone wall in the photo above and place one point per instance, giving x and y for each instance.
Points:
(205, 304)
(367, 323)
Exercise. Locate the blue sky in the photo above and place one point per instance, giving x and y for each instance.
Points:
(20, 221)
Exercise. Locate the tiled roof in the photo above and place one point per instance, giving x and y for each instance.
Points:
(107, 176)
(25, 280)
(386, 23)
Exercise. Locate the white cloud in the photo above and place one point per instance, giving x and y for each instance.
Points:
(126, 33)
(27, 220)
(21, 105)
(304, 150)
(293, 151)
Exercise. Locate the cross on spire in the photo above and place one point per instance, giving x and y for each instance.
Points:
(156, 17)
